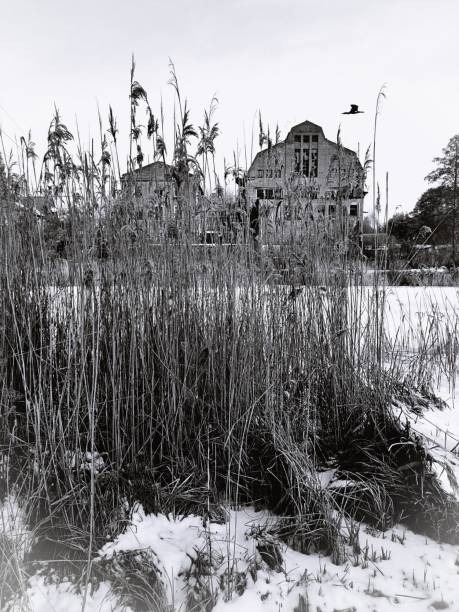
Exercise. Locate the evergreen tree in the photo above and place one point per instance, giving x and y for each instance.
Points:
(430, 221)
(445, 173)
(434, 210)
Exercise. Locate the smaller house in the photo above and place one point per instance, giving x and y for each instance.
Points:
(159, 179)
(38, 206)
(154, 179)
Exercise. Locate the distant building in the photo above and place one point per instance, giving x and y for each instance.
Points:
(309, 174)
(154, 179)
(38, 206)
(159, 179)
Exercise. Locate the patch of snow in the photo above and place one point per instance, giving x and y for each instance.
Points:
(42, 597)
(326, 477)
(13, 525)
(400, 567)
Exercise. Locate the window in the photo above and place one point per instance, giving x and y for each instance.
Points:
(278, 193)
(314, 163)
(269, 173)
(265, 194)
(306, 159)
(314, 156)
(353, 210)
(260, 173)
(296, 165)
(305, 168)
(332, 210)
(277, 173)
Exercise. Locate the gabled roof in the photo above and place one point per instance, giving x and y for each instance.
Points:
(155, 163)
(264, 152)
(306, 126)
(145, 169)
(351, 151)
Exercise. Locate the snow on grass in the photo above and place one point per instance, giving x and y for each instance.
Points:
(393, 570)
(439, 430)
(171, 540)
(11, 518)
(398, 567)
(416, 318)
(36, 594)
(15, 537)
(62, 597)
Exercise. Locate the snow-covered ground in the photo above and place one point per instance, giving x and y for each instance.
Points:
(393, 570)
(427, 319)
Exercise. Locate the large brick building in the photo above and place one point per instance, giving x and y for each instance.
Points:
(309, 174)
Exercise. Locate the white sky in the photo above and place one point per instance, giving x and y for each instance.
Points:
(293, 59)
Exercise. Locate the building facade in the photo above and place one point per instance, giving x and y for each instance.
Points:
(154, 179)
(307, 176)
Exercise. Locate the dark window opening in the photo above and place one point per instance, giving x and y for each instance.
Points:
(353, 210)
(314, 163)
(305, 169)
(307, 158)
(296, 167)
(260, 173)
(297, 138)
(265, 194)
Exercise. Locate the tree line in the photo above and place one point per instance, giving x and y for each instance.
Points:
(433, 221)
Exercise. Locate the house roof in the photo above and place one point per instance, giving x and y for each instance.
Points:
(304, 126)
(350, 151)
(146, 169)
(308, 126)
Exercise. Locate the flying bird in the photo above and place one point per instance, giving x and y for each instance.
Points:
(354, 110)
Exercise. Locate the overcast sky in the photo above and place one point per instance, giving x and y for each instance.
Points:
(292, 59)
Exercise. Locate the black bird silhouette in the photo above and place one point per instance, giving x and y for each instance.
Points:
(354, 110)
